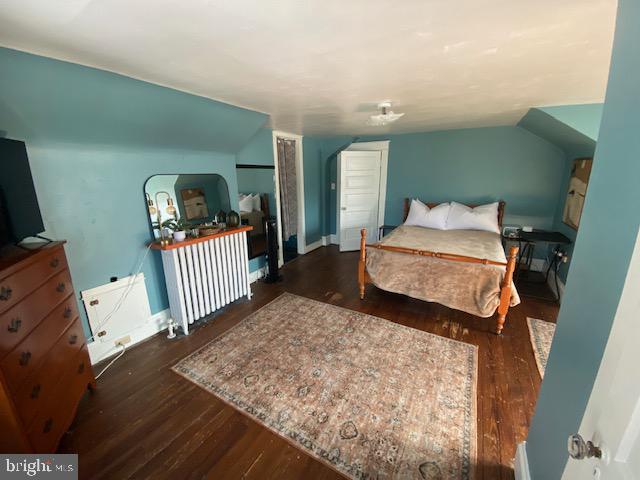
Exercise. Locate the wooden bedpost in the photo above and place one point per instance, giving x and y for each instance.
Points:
(362, 261)
(505, 290)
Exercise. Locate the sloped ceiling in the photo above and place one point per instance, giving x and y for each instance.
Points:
(321, 66)
(573, 128)
(44, 99)
(583, 118)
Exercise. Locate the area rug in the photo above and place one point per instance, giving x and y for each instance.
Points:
(541, 335)
(371, 398)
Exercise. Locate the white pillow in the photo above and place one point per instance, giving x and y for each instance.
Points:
(246, 204)
(483, 217)
(256, 202)
(422, 216)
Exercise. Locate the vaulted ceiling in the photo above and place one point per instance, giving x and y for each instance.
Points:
(321, 66)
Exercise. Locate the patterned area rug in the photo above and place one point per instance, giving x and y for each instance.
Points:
(371, 398)
(541, 335)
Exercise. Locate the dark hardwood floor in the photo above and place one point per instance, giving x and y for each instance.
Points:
(145, 421)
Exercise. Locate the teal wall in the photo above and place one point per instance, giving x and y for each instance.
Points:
(473, 165)
(574, 129)
(314, 193)
(93, 139)
(50, 100)
(571, 141)
(583, 118)
(85, 199)
(603, 249)
(258, 150)
(327, 148)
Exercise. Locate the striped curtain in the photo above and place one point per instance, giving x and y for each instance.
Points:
(288, 190)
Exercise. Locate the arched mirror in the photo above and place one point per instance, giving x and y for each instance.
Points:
(186, 201)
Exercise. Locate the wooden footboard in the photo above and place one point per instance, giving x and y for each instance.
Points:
(505, 288)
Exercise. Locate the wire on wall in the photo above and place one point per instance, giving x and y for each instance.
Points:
(119, 303)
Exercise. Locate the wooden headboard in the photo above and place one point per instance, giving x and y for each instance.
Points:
(407, 204)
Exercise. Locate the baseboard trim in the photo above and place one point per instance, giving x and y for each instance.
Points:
(315, 245)
(323, 242)
(521, 462)
(257, 274)
(99, 351)
(156, 323)
(333, 239)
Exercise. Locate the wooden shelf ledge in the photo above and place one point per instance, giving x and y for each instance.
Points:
(192, 241)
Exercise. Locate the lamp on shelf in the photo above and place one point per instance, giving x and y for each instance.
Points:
(152, 209)
(171, 210)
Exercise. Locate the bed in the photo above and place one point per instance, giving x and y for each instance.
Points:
(465, 270)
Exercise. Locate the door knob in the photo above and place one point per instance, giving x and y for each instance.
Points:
(343, 208)
(579, 449)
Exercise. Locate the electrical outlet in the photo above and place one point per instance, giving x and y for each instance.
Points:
(333, 185)
(123, 341)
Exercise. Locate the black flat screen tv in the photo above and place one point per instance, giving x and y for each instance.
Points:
(19, 210)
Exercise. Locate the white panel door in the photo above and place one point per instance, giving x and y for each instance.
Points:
(612, 419)
(359, 192)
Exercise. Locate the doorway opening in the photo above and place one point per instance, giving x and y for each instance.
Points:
(289, 176)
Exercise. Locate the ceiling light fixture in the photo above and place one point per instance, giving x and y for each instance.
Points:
(385, 117)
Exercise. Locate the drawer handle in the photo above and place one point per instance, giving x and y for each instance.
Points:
(73, 339)
(24, 358)
(60, 287)
(54, 262)
(47, 425)
(14, 325)
(80, 368)
(35, 391)
(5, 293)
(67, 312)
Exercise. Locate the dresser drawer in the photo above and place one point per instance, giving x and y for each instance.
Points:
(18, 285)
(28, 356)
(16, 323)
(38, 389)
(54, 418)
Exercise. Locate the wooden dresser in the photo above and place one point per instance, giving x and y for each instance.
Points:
(44, 364)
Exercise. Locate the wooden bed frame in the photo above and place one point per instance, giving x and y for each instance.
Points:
(505, 288)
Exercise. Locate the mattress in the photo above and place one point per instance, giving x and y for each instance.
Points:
(470, 287)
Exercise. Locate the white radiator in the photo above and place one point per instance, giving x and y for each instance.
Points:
(203, 275)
